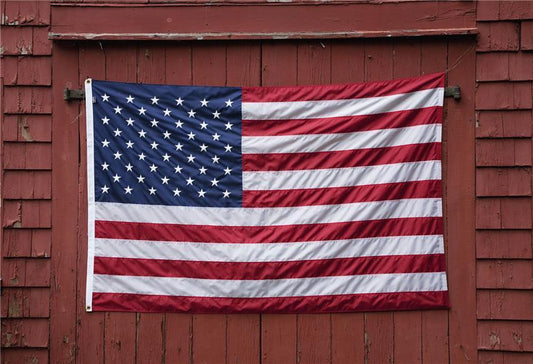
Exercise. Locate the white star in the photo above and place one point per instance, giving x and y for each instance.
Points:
(190, 158)
(154, 123)
(154, 145)
(105, 97)
(203, 125)
(105, 166)
(191, 135)
(179, 146)
(117, 132)
(179, 101)
(214, 182)
(117, 155)
(153, 168)
(130, 99)
(201, 193)
(177, 192)
(229, 103)
(164, 180)
(152, 191)
(179, 124)
(177, 169)
(227, 171)
(128, 190)
(140, 179)
(104, 189)
(105, 120)
(166, 135)
(203, 170)
(154, 100)
(228, 148)
(166, 157)
(216, 136)
(142, 111)
(142, 156)
(166, 112)
(216, 115)
(226, 194)
(129, 144)
(116, 178)
(130, 121)
(228, 125)
(215, 159)
(118, 109)
(189, 181)
(191, 114)
(129, 167)
(204, 102)
(203, 148)
(105, 143)
(142, 133)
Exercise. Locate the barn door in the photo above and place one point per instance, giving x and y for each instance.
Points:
(400, 337)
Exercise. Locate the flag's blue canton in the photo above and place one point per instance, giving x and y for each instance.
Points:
(170, 145)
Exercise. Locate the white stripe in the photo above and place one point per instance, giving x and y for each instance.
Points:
(90, 193)
(316, 286)
(334, 108)
(220, 216)
(310, 143)
(341, 177)
(274, 252)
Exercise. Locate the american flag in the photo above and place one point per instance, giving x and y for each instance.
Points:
(265, 199)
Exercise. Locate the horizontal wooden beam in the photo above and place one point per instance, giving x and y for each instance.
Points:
(261, 20)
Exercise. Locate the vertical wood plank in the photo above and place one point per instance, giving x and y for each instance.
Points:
(347, 329)
(407, 58)
(314, 331)
(379, 341)
(435, 323)
(178, 329)
(347, 338)
(278, 332)
(90, 339)
(243, 331)
(120, 327)
(378, 61)
(347, 61)
(209, 331)
(64, 206)
(151, 65)
(460, 177)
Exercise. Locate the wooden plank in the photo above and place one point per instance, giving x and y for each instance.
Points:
(503, 181)
(407, 58)
(178, 327)
(498, 36)
(347, 61)
(25, 302)
(314, 62)
(264, 20)
(503, 244)
(347, 338)
(505, 335)
(505, 274)
(460, 204)
(314, 338)
(91, 326)
(503, 152)
(24, 355)
(503, 96)
(30, 333)
(29, 71)
(27, 128)
(407, 337)
(378, 60)
(151, 65)
(526, 39)
(279, 63)
(120, 327)
(379, 337)
(278, 339)
(243, 64)
(505, 305)
(65, 217)
(435, 338)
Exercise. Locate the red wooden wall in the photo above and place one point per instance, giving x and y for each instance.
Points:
(487, 204)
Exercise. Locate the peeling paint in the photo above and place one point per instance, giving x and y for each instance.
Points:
(494, 340)
(13, 309)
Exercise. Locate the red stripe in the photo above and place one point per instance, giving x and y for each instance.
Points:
(270, 270)
(313, 304)
(268, 234)
(340, 92)
(340, 195)
(343, 124)
(342, 158)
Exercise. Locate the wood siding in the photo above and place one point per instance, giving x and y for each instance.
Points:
(487, 170)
